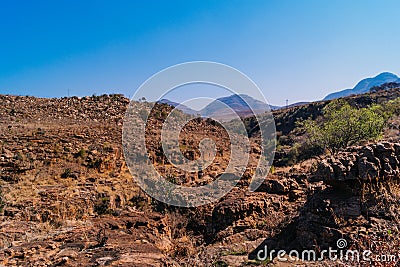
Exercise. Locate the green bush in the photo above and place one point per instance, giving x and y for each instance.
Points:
(392, 107)
(342, 125)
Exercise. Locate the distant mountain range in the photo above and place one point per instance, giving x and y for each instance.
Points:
(365, 85)
(221, 108)
(240, 104)
(183, 108)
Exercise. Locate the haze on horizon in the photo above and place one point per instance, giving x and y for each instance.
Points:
(296, 50)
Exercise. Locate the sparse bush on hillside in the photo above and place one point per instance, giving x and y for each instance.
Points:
(294, 154)
(66, 173)
(143, 113)
(342, 125)
(392, 107)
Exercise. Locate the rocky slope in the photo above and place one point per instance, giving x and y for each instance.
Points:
(68, 198)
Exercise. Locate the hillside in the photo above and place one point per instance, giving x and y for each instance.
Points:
(179, 106)
(68, 198)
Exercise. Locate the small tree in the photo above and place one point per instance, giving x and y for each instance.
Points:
(342, 125)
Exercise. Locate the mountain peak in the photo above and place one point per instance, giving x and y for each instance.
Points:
(386, 75)
(365, 85)
(240, 104)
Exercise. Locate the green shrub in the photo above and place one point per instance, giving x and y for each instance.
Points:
(343, 125)
(171, 178)
(392, 107)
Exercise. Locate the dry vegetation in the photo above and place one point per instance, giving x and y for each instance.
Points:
(68, 199)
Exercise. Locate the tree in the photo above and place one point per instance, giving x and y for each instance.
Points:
(342, 125)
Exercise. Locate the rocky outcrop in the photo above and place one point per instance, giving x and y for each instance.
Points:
(104, 108)
(358, 202)
(105, 242)
(375, 161)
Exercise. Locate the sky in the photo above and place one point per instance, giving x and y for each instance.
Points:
(295, 50)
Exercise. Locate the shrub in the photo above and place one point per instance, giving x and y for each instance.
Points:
(171, 178)
(220, 263)
(392, 107)
(343, 125)
(143, 114)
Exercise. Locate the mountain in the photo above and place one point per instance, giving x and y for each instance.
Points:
(365, 85)
(183, 108)
(239, 103)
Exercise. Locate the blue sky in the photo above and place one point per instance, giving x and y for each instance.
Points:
(296, 50)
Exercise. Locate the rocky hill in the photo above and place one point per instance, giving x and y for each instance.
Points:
(68, 198)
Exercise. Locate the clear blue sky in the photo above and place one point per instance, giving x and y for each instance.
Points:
(296, 50)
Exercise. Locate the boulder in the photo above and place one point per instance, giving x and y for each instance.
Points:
(375, 161)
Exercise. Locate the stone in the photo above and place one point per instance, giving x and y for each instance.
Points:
(367, 170)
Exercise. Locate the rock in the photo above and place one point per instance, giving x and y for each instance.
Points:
(369, 162)
(7, 154)
(397, 150)
(367, 151)
(339, 170)
(367, 170)
(273, 187)
(295, 194)
(104, 260)
(383, 149)
(67, 252)
(325, 171)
